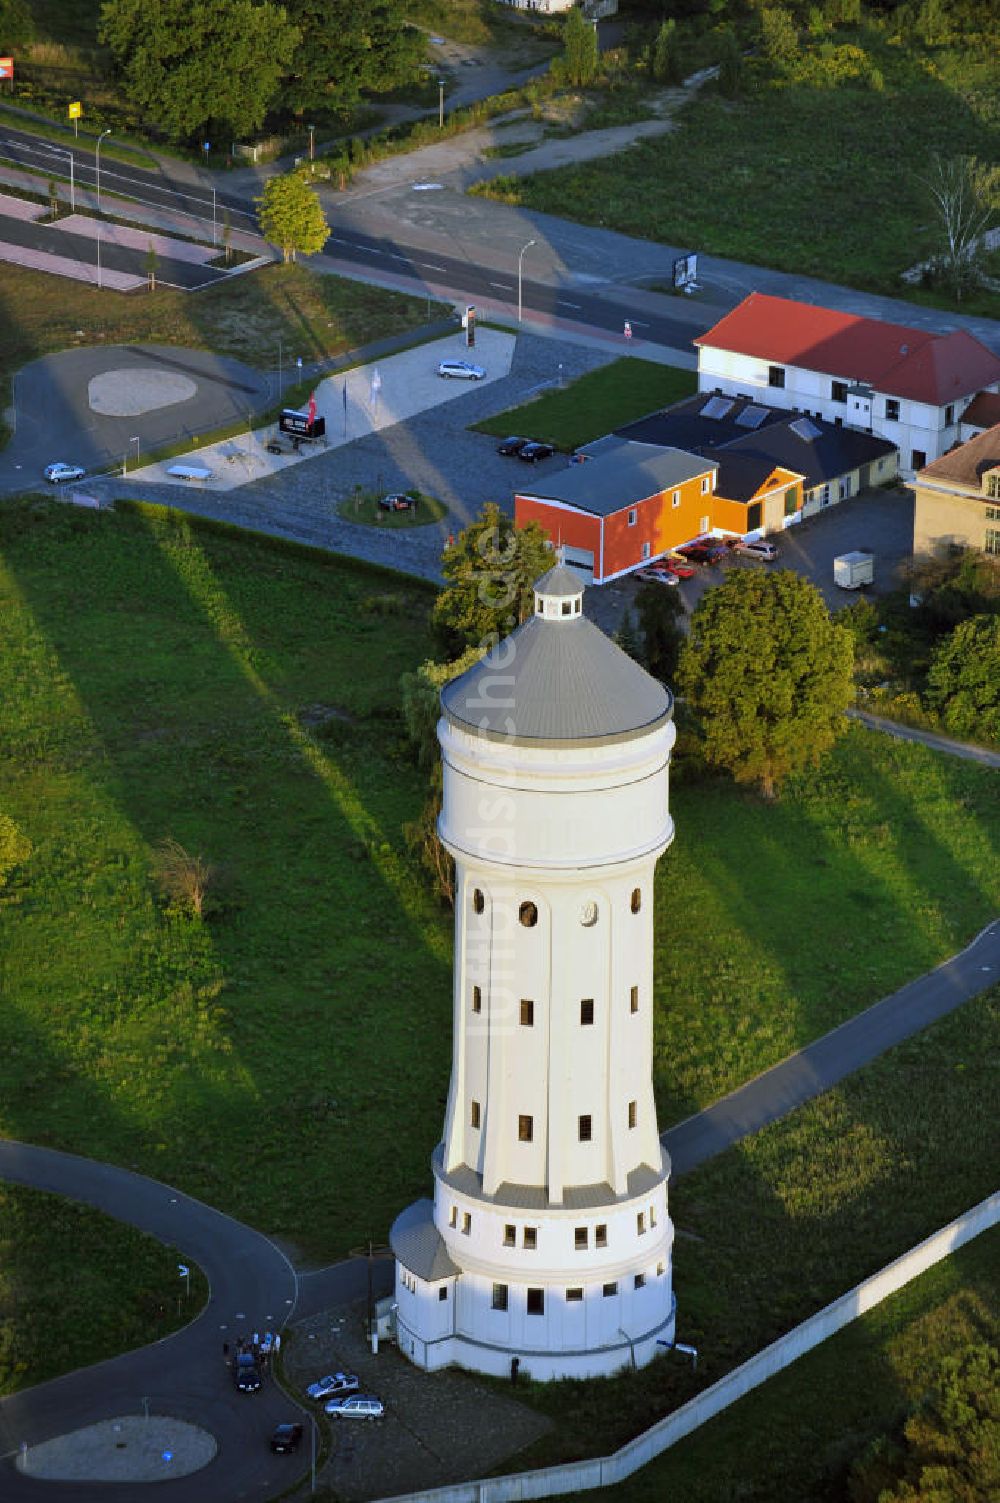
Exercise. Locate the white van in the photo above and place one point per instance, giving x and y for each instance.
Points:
(757, 548)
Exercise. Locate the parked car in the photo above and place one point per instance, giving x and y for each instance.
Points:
(756, 548)
(533, 452)
(274, 447)
(333, 1385)
(397, 501)
(246, 1374)
(512, 445)
(286, 1438)
(356, 1406)
(461, 370)
(703, 552)
(679, 566)
(656, 575)
(57, 473)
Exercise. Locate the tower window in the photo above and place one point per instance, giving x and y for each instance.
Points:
(661, 1269)
(601, 1234)
(610, 1289)
(636, 899)
(443, 1292)
(652, 1215)
(466, 1223)
(581, 1238)
(531, 1238)
(527, 1012)
(477, 999)
(453, 1217)
(586, 1011)
(633, 1115)
(499, 1296)
(640, 1223)
(525, 1129)
(474, 1114)
(528, 915)
(567, 608)
(510, 1235)
(574, 1296)
(639, 1281)
(585, 1126)
(536, 1301)
(478, 901)
(633, 1000)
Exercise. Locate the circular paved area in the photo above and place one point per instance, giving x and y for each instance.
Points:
(124, 1449)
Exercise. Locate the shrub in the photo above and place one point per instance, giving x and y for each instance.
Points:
(15, 848)
(183, 878)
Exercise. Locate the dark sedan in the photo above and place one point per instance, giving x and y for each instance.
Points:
(286, 1438)
(512, 445)
(532, 453)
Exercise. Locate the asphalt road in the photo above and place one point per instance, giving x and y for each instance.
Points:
(837, 1054)
(56, 241)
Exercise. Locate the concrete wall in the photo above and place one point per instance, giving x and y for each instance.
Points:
(603, 1471)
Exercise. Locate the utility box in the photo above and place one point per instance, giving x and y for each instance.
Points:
(852, 570)
(300, 425)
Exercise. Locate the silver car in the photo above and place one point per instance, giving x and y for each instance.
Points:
(356, 1406)
(56, 473)
(461, 370)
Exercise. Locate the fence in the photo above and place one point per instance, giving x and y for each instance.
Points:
(604, 1471)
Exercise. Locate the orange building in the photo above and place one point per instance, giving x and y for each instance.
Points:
(622, 509)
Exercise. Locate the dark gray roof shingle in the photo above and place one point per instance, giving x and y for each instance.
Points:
(418, 1245)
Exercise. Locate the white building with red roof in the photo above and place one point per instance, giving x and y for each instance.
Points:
(909, 386)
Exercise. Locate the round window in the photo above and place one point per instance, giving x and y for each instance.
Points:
(528, 915)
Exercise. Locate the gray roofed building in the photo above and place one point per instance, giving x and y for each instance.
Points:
(556, 680)
(619, 479)
(416, 1242)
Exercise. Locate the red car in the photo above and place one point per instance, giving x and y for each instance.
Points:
(678, 566)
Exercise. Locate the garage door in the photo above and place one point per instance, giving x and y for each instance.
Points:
(582, 560)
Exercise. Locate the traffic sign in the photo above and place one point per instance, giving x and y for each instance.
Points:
(75, 109)
(6, 67)
(628, 329)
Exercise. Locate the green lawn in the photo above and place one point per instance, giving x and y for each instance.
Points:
(594, 404)
(779, 1226)
(814, 178)
(76, 1287)
(365, 510)
(164, 678)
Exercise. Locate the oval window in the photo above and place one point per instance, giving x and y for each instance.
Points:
(478, 901)
(636, 899)
(528, 915)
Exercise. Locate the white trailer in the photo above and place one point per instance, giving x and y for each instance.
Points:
(852, 570)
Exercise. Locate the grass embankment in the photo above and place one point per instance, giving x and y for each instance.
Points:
(595, 404)
(776, 1228)
(77, 1287)
(287, 1057)
(803, 190)
(365, 510)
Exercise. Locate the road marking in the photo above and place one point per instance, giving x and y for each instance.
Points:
(638, 323)
(562, 303)
(504, 286)
(429, 267)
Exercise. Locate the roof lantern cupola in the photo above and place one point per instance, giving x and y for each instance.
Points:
(559, 594)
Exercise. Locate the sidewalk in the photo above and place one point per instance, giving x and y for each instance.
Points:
(965, 749)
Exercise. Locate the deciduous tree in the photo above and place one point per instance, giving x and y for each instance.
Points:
(660, 612)
(347, 47)
(490, 570)
(767, 674)
(17, 28)
(292, 217)
(965, 194)
(963, 683)
(190, 66)
(779, 35)
(579, 56)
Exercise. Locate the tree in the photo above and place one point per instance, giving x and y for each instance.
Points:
(152, 262)
(579, 57)
(17, 29)
(779, 35)
(965, 194)
(660, 614)
(730, 64)
(347, 47)
(628, 638)
(767, 674)
(291, 216)
(15, 847)
(490, 570)
(194, 66)
(665, 60)
(950, 1446)
(963, 682)
(227, 235)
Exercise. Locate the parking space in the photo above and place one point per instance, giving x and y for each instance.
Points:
(438, 1428)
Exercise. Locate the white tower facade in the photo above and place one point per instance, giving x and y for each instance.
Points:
(548, 1238)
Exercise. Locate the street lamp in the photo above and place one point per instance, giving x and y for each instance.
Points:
(440, 104)
(97, 173)
(520, 264)
(312, 142)
(62, 152)
(135, 440)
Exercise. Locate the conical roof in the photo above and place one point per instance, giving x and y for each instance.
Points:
(556, 680)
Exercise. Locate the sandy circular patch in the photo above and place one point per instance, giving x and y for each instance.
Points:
(129, 1449)
(127, 393)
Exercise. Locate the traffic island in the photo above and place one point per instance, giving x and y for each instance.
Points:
(132, 1448)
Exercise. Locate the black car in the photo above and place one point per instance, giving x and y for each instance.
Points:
(511, 445)
(398, 501)
(286, 1438)
(532, 453)
(246, 1374)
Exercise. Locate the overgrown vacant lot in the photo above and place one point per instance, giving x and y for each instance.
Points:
(76, 1287)
(287, 1057)
(814, 177)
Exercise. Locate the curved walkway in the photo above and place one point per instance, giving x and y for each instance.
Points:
(965, 749)
(253, 1285)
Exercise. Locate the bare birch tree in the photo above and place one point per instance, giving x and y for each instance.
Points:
(965, 193)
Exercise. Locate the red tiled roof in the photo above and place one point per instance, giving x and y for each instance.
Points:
(903, 362)
(968, 462)
(983, 411)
